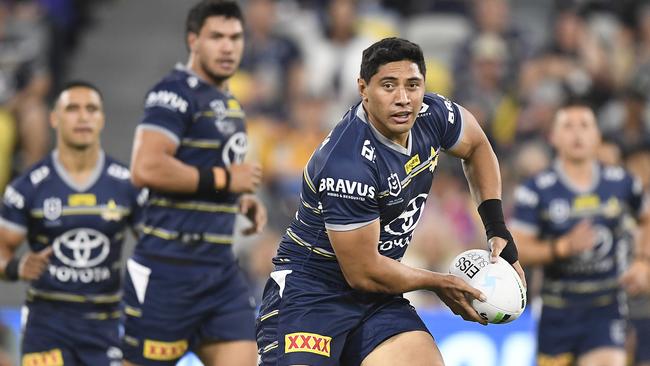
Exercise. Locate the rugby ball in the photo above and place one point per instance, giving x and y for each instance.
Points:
(506, 295)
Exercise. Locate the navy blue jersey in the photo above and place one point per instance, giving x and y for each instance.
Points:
(208, 127)
(85, 225)
(358, 176)
(549, 206)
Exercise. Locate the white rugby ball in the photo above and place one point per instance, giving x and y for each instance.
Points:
(506, 295)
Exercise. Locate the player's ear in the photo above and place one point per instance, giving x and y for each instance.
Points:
(191, 41)
(363, 88)
(53, 121)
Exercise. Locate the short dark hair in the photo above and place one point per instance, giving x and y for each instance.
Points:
(207, 8)
(390, 50)
(77, 84)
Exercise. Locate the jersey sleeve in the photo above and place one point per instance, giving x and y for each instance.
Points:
(14, 211)
(446, 118)
(526, 215)
(348, 194)
(167, 110)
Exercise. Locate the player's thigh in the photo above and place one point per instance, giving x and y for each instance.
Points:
(235, 353)
(603, 356)
(416, 348)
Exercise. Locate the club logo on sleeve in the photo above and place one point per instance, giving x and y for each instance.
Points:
(164, 351)
(307, 342)
(52, 208)
(394, 185)
(348, 189)
(47, 358)
(13, 198)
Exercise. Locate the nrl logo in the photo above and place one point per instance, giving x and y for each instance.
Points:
(52, 208)
(394, 185)
(219, 109)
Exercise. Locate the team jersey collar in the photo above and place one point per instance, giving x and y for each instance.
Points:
(361, 114)
(184, 69)
(67, 179)
(564, 178)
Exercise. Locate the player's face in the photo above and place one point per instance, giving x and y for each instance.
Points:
(78, 117)
(217, 49)
(575, 134)
(393, 98)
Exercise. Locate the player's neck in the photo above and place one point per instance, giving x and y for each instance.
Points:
(579, 172)
(79, 163)
(221, 84)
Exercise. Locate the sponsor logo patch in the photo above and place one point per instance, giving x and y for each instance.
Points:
(82, 199)
(348, 189)
(166, 99)
(47, 358)
(164, 351)
(412, 163)
(307, 342)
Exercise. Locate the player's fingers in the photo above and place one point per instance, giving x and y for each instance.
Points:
(470, 314)
(520, 272)
(496, 245)
(250, 231)
(46, 253)
(474, 293)
(260, 218)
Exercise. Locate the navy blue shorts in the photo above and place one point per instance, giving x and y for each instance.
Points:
(642, 329)
(58, 333)
(307, 321)
(170, 309)
(567, 333)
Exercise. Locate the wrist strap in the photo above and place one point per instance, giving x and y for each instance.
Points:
(11, 269)
(491, 213)
(206, 181)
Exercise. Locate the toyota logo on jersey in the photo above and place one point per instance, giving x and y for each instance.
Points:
(407, 220)
(82, 248)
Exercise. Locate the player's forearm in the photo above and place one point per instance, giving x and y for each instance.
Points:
(164, 173)
(482, 171)
(643, 249)
(386, 275)
(532, 251)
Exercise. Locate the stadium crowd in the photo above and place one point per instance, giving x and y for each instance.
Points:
(298, 76)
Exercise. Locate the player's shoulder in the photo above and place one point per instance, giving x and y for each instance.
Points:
(546, 179)
(36, 175)
(174, 91)
(349, 146)
(434, 105)
(614, 173)
(116, 170)
(22, 187)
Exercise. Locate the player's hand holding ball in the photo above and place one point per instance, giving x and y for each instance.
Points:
(503, 287)
(458, 295)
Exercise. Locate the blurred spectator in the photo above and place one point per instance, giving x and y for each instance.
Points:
(273, 62)
(333, 59)
(482, 92)
(626, 119)
(493, 17)
(24, 85)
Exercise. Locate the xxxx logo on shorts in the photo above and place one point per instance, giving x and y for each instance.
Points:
(307, 342)
(47, 358)
(164, 351)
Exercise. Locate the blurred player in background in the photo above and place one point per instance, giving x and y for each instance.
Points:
(184, 290)
(335, 296)
(571, 220)
(73, 208)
